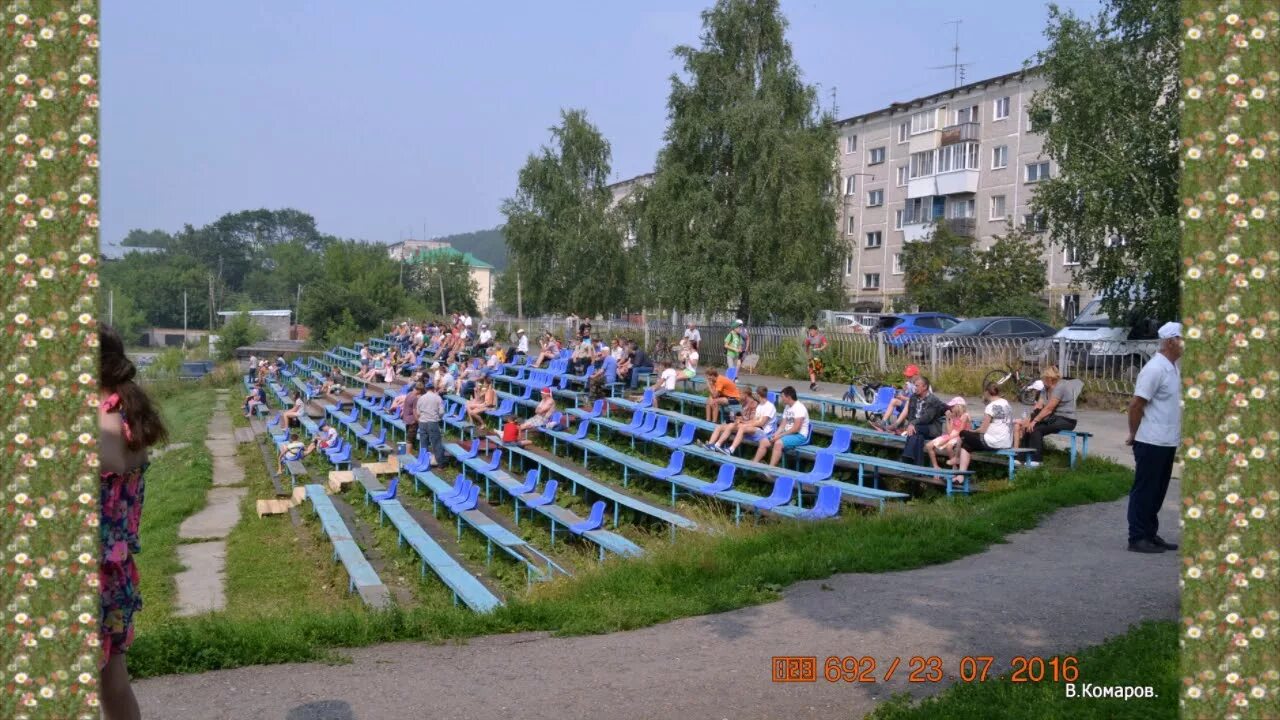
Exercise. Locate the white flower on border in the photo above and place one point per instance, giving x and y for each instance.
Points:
(1193, 572)
(1194, 393)
(85, 138)
(1258, 33)
(1193, 213)
(20, 19)
(1258, 631)
(1193, 273)
(1193, 153)
(1193, 513)
(1232, 79)
(1232, 19)
(46, 33)
(84, 19)
(1193, 33)
(1232, 198)
(1258, 153)
(46, 213)
(1232, 139)
(1258, 93)
(1258, 213)
(20, 139)
(1232, 559)
(1193, 632)
(85, 198)
(1193, 93)
(84, 79)
(1259, 392)
(1258, 573)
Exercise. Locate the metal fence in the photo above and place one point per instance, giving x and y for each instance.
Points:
(1110, 367)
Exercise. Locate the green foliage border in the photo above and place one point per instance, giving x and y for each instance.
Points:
(1231, 556)
(48, 362)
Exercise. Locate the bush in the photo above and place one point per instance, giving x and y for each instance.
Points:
(238, 331)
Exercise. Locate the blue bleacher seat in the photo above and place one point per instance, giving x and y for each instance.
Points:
(827, 505)
(593, 521)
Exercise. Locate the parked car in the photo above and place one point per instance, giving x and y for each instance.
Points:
(854, 324)
(899, 328)
(974, 334)
(1094, 340)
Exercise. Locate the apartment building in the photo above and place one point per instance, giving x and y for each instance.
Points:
(967, 156)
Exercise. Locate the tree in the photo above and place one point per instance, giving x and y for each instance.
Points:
(238, 331)
(125, 317)
(739, 215)
(147, 238)
(460, 290)
(946, 273)
(1110, 121)
(358, 280)
(563, 240)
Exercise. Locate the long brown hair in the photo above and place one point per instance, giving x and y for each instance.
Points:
(116, 373)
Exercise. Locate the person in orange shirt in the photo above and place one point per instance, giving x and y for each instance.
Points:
(724, 394)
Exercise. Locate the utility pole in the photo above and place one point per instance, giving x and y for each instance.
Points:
(443, 312)
(297, 307)
(111, 307)
(184, 319)
(519, 298)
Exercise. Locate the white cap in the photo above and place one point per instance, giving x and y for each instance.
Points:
(738, 322)
(1038, 386)
(435, 365)
(520, 331)
(1170, 330)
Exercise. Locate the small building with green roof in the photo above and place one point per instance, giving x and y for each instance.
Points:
(481, 271)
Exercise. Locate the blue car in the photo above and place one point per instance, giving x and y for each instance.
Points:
(900, 328)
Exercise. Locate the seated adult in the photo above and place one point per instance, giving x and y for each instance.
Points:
(257, 397)
(471, 377)
(291, 449)
(486, 398)
(485, 341)
(332, 383)
(295, 411)
(581, 357)
(995, 432)
(638, 364)
(541, 414)
(763, 422)
(1058, 413)
(522, 344)
(925, 414)
(723, 432)
(792, 432)
(550, 351)
(894, 418)
(724, 394)
(666, 381)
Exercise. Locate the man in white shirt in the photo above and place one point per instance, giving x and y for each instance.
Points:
(763, 423)
(666, 380)
(486, 337)
(692, 334)
(1155, 429)
(792, 432)
(522, 342)
(466, 321)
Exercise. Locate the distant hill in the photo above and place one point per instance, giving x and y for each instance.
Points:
(488, 245)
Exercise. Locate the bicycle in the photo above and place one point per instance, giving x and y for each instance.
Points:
(662, 352)
(862, 386)
(1013, 376)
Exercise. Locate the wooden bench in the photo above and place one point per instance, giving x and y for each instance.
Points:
(297, 471)
(363, 579)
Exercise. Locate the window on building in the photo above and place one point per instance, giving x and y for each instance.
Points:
(965, 115)
(897, 263)
(918, 210)
(1001, 109)
(1070, 306)
(876, 156)
(997, 207)
(850, 144)
(922, 163)
(904, 131)
(963, 156)
(849, 184)
(904, 174)
(960, 208)
(1037, 171)
(874, 239)
(871, 281)
(897, 219)
(875, 198)
(999, 157)
(851, 222)
(1070, 254)
(1035, 222)
(848, 264)
(924, 121)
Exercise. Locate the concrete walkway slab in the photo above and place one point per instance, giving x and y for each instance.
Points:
(218, 517)
(200, 586)
(227, 471)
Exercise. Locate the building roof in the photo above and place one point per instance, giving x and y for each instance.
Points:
(629, 181)
(449, 254)
(258, 313)
(926, 99)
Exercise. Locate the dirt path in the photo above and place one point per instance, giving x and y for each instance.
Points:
(1068, 583)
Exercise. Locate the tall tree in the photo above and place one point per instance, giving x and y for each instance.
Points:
(564, 241)
(739, 216)
(1110, 121)
(425, 280)
(359, 281)
(947, 273)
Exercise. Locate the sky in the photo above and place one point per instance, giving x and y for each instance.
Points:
(392, 119)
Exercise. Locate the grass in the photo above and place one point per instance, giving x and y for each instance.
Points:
(176, 485)
(700, 574)
(1145, 656)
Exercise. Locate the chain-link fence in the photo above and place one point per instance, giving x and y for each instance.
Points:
(1104, 366)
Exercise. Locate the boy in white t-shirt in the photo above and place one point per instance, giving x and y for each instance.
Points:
(666, 380)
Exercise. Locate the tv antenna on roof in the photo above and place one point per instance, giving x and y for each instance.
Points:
(956, 67)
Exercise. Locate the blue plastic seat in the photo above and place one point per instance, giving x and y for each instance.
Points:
(684, 438)
(658, 430)
(724, 481)
(547, 497)
(783, 487)
(824, 463)
(467, 503)
(593, 521)
(390, 492)
(827, 505)
(460, 487)
(674, 466)
(530, 482)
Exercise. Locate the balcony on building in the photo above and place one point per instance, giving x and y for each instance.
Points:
(965, 227)
(960, 132)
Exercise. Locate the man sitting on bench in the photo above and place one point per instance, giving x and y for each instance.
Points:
(541, 415)
(792, 432)
(724, 394)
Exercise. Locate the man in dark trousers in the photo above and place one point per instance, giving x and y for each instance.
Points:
(1155, 428)
(925, 413)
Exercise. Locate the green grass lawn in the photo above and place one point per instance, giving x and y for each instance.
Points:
(280, 609)
(1145, 656)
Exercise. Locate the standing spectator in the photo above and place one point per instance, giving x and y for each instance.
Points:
(792, 432)
(1058, 413)
(995, 432)
(430, 412)
(926, 412)
(724, 394)
(571, 322)
(692, 335)
(253, 367)
(584, 329)
(410, 415)
(733, 347)
(1155, 428)
(746, 339)
(814, 343)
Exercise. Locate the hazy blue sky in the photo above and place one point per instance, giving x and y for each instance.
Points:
(378, 117)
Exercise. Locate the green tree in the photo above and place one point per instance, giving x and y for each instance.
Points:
(947, 273)
(147, 238)
(358, 280)
(460, 290)
(238, 331)
(739, 215)
(562, 238)
(1110, 120)
(125, 316)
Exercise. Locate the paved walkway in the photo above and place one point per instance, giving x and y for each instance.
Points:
(1066, 584)
(200, 588)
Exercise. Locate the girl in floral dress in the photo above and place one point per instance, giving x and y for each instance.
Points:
(127, 425)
